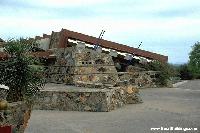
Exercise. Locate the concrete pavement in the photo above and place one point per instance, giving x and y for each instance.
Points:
(166, 107)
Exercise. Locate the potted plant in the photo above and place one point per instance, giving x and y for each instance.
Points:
(19, 73)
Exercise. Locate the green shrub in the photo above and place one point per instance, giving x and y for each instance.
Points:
(18, 71)
(166, 71)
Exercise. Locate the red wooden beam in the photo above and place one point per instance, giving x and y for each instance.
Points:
(108, 44)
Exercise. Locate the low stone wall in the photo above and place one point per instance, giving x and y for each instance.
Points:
(141, 79)
(71, 98)
(16, 116)
(131, 94)
(77, 100)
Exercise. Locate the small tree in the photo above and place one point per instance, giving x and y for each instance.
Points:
(18, 72)
(194, 63)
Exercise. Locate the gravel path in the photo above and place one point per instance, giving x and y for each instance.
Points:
(162, 107)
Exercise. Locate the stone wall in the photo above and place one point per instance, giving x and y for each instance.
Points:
(71, 98)
(85, 66)
(95, 82)
(97, 100)
(141, 79)
(54, 40)
(63, 69)
(131, 94)
(94, 67)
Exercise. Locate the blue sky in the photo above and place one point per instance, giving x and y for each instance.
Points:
(168, 27)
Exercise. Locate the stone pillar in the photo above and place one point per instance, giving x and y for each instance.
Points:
(93, 68)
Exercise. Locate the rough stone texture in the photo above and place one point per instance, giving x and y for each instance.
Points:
(142, 79)
(94, 67)
(97, 100)
(88, 68)
(85, 67)
(17, 116)
(71, 98)
(82, 66)
(95, 81)
(131, 94)
(55, 37)
(63, 69)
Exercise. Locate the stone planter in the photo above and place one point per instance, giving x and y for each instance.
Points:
(16, 115)
(13, 115)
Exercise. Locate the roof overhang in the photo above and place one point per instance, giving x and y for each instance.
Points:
(66, 34)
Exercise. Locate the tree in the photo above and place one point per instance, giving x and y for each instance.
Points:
(194, 63)
(18, 72)
(184, 72)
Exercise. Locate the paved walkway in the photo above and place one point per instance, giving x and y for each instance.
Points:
(162, 107)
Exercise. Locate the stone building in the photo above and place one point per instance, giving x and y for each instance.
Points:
(71, 59)
(97, 79)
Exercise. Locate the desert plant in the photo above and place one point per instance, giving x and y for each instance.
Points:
(18, 72)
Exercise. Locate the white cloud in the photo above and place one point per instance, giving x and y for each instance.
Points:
(116, 29)
(65, 3)
(127, 22)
